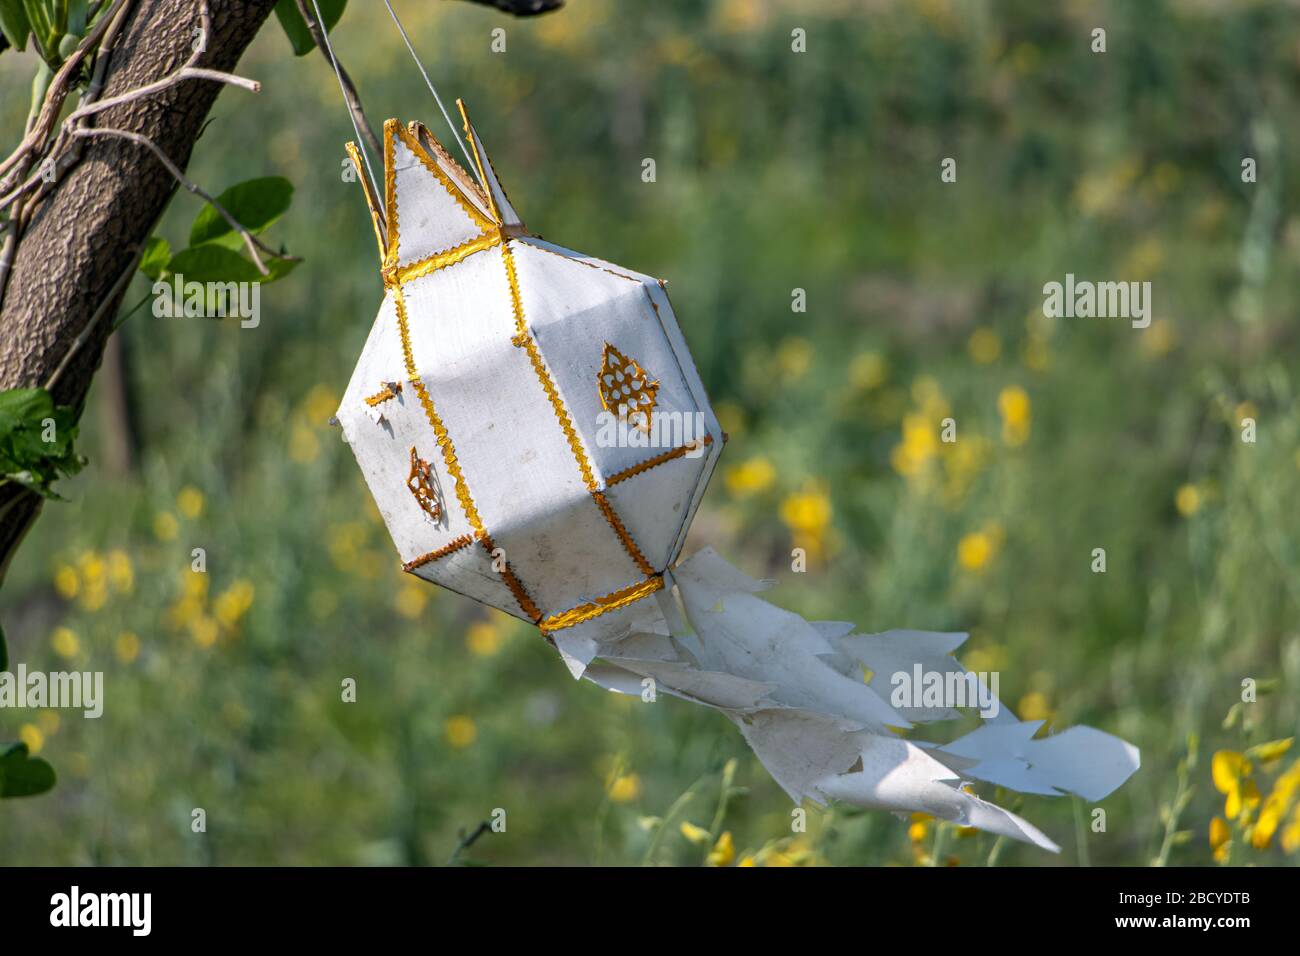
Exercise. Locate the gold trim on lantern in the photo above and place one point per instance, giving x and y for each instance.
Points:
(602, 605)
(453, 464)
(450, 547)
(441, 260)
(371, 200)
(656, 461)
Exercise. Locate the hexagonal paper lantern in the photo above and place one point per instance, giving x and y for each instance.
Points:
(528, 418)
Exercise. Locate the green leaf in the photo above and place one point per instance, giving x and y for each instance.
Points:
(213, 263)
(4, 651)
(255, 204)
(44, 30)
(14, 24)
(22, 775)
(157, 253)
(296, 29)
(36, 439)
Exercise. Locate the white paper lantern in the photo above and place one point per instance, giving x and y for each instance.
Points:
(536, 437)
(528, 418)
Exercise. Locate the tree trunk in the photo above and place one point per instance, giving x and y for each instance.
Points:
(85, 234)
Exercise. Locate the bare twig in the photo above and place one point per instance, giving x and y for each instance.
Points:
(118, 288)
(317, 32)
(58, 91)
(91, 106)
(250, 241)
(350, 97)
(467, 841)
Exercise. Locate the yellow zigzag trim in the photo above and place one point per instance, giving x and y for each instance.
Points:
(453, 464)
(602, 605)
(441, 260)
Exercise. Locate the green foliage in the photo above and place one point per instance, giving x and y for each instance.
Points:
(22, 775)
(255, 204)
(286, 11)
(4, 651)
(157, 253)
(215, 250)
(14, 24)
(36, 439)
(55, 26)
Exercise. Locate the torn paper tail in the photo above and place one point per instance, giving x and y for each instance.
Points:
(822, 708)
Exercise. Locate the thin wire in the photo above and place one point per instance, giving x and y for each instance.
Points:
(361, 142)
(428, 82)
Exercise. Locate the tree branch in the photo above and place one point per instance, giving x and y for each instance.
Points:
(350, 95)
(522, 8)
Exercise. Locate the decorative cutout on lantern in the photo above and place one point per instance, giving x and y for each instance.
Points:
(420, 481)
(626, 389)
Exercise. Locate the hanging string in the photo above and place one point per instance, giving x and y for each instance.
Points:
(429, 83)
(361, 142)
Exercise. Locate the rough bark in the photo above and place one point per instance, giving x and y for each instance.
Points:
(86, 233)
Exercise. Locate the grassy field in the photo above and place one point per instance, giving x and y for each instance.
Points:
(776, 171)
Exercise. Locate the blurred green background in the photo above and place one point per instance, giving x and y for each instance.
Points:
(776, 171)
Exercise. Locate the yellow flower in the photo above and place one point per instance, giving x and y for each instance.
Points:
(165, 526)
(697, 835)
(483, 639)
(204, 630)
(1291, 834)
(1230, 771)
(1015, 409)
(919, 828)
(625, 788)
(1188, 500)
(1219, 838)
(984, 346)
(1034, 706)
(1270, 816)
(1035, 353)
(1273, 750)
(31, 735)
(319, 404)
(750, 477)
(127, 647)
(920, 444)
(731, 416)
(808, 516)
(978, 548)
(410, 599)
(66, 582)
(746, 860)
(233, 603)
(794, 357)
(303, 445)
(344, 543)
(1158, 340)
(65, 642)
(190, 502)
(460, 731)
(121, 574)
(94, 594)
(48, 721)
(868, 370)
(723, 852)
